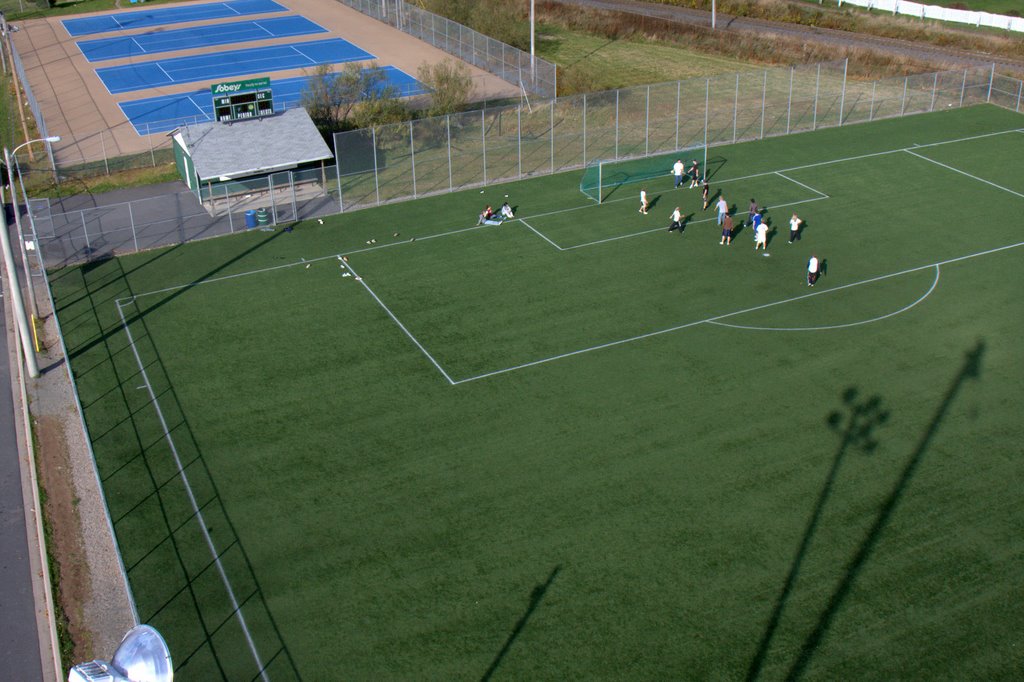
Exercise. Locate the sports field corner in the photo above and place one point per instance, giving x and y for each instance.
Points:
(400, 445)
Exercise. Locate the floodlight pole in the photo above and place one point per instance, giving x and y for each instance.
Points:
(713, 12)
(27, 348)
(533, 59)
(8, 158)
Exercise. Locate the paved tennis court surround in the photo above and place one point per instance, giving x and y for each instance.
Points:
(202, 67)
(167, 112)
(168, 15)
(140, 44)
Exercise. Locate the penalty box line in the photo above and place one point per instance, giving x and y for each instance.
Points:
(196, 511)
(716, 318)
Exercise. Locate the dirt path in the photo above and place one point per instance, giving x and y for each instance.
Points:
(890, 46)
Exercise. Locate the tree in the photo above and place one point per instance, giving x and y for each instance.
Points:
(353, 97)
(450, 85)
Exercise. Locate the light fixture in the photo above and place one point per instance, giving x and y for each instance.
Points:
(142, 656)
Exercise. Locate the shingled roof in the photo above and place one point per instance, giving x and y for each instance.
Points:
(257, 146)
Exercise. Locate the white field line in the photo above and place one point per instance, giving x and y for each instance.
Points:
(904, 309)
(191, 496)
(540, 234)
(818, 192)
(394, 318)
(973, 177)
(141, 48)
(715, 318)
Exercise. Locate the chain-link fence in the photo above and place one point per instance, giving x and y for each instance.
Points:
(511, 64)
(443, 154)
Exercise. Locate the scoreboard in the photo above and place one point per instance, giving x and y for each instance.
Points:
(240, 100)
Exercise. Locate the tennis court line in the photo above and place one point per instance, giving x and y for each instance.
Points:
(197, 512)
(973, 177)
(394, 318)
(859, 323)
(724, 316)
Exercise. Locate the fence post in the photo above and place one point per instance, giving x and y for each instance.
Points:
(935, 89)
(103, 148)
(647, 124)
(149, 139)
(679, 92)
(764, 94)
(707, 108)
(871, 111)
(789, 106)
(552, 126)
(1020, 91)
(270, 193)
(448, 129)
(842, 98)
(131, 221)
(85, 231)
(585, 127)
(817, 87)
(735, 106)
(337, 169)
(903, 104)
(616, 124)
(963, 88)
(412, 155)
(295, 203)
(483, 141)
(376, 178)
(991, 79)
(519, 138)
(227, 201)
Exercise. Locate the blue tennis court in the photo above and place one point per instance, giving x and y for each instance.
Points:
(99, 49)
(154, 74)
(167, 112)
(168, 15)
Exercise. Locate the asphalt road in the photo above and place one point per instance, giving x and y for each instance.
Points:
(19, 644)
(891, 46)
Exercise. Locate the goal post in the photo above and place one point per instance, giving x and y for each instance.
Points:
(602, 177)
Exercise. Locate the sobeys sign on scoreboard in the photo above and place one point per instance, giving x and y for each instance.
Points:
(230, 88)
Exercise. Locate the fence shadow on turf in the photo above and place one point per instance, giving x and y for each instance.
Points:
(180, 556)
(536, 596)
(856, 430)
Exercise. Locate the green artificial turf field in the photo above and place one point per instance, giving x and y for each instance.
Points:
(579, 446)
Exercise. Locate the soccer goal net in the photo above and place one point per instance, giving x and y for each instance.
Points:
(602, 177)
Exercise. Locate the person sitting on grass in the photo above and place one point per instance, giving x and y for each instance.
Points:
(506, 211)
(489, 217)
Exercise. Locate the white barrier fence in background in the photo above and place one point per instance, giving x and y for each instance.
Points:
(961, 16)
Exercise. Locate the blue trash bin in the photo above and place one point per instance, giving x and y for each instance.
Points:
(250, 219)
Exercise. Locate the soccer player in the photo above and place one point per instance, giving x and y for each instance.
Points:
(643, 201)
(723, 209)
(752, 211)
(726, 231)
(755, 222)
(679, 170)
(794, 228)
(761, 236)
(705, 194)
(813, 270)
(677, 221)
(694, 174)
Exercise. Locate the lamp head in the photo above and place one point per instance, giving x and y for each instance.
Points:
(52, 138)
